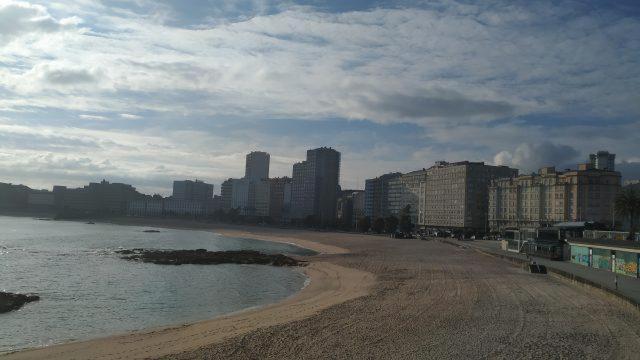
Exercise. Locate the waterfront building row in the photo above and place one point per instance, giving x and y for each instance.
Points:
(171, 207)
(446, 195)
(549, 196)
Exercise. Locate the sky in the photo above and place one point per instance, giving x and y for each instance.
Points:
(149, 91)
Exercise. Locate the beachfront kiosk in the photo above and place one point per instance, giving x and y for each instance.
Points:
(619, 256)
(545, 242)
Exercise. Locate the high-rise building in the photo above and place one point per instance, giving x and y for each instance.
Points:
(226, 191)
(315, 186)
(240, 195)
(603, 160)
(376, 196)
(350, 208)
(277, 205)
(188, 190)
(249, 195)
(549, 197)
(406, 190)
(286, 203)
(302, 190)
(456, 195)
(258, 198)
(257, 166)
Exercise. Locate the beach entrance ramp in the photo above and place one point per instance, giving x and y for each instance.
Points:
(537, 269)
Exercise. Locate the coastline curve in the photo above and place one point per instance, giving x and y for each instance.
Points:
(329, 284)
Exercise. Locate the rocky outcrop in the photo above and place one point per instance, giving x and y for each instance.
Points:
(11, 301)
(204, 257)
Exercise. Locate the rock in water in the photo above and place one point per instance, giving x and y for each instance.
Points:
(11, 301)
(204, 257)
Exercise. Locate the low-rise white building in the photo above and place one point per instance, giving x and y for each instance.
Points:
(166, 207)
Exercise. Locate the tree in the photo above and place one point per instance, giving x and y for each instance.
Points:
(405, 220)
(390, 224)
(378, 225)
(364, 223)
(627, 205)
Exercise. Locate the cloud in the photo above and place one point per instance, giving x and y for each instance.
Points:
(68, 76)
(93, 117)
(473, 80)
(437, 104)
(12, 139)
(421, 64)
(130, 116)
(531, 156)
(630, 170)
(18, 18)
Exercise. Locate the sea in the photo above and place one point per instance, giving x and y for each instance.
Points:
(87, 291)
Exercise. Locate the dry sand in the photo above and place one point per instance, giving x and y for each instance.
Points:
(425, 300)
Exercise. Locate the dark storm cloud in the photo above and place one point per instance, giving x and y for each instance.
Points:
(630, 170)
(445, 105)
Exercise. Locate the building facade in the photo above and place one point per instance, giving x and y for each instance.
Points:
(153, 207)
(350, 208)
(257, 166)
(548, 197)
(456, 195)
(240, 195)
(101, 198)
(302, 190)
(603, 160)
(278, 205)
(249, 195)
(226, 193)
(188, 190)
(258, 198)
(250, 198)
(405, 191)
(376, 196)
(314, 186)
(14, 197)
(395, 197)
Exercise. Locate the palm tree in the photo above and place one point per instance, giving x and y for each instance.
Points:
(627, 205)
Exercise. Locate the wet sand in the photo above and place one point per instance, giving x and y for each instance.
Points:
(380, 298)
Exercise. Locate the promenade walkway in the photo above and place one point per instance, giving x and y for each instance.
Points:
(628, 286)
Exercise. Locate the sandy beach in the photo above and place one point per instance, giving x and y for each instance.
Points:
(374, 297)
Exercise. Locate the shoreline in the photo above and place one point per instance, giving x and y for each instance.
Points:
(327, 284)
(253, 232)
(424, 300)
